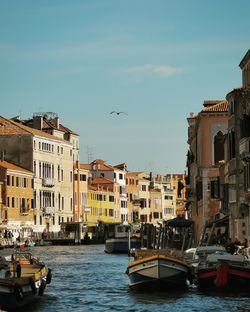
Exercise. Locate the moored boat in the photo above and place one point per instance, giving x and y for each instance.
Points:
(224, 271)
(123, 240)
(23, 279)
(157, 270)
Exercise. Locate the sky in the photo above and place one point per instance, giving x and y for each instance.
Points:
(156, 60)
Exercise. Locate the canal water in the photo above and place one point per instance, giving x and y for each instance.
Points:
(85, 278)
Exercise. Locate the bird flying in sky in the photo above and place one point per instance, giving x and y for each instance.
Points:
(118, 113)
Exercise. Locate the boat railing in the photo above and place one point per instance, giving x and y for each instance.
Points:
(142, 253)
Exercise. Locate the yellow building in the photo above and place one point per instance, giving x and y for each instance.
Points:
(101, 201)
(17, 195)
(178, 185)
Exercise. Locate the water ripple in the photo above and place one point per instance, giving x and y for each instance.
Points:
(84, 278)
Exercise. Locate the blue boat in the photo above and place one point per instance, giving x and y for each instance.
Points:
(123, 240)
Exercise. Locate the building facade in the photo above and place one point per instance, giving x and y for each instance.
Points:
(205, 138)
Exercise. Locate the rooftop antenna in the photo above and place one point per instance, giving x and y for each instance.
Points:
(89, 154)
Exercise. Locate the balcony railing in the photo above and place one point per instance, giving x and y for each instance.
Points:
(48, 211)
(49, 182)
(24, 211)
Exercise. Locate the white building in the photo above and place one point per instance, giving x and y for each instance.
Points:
(50, 157)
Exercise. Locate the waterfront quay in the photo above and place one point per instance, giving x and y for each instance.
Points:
(85, 278)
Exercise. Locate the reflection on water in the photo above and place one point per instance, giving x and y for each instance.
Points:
(85, 278)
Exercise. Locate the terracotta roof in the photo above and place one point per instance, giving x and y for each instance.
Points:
(7, 165)
(207, 103)
(10, 127)
(85, 166)
(130, 173)
(122, 166)
(46, 124)
(99, 164)
(102, 181)
(222, 106)
(92, 187)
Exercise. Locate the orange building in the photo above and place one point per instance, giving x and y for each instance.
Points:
(17, 194)
(206, 149)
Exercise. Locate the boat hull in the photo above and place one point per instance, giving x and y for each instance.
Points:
(120, 245)
(159, 273)
(225, 275)
(12, 297)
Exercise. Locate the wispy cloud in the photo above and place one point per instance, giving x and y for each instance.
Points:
(149, 70)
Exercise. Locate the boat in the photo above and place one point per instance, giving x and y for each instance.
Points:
(162, 268)
(122, 239)
(157, 270)
(23, 279)
(224, 271)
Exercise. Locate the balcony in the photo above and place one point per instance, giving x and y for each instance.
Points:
(48, 212)
(87, 209)
(48, 182)
(244, 148)
(24, 211)
(136, 202)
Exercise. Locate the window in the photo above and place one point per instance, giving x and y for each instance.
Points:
(144, 188)
(199, 193)
(34, 167)
(215, 190)
(156, 215)
(231, 145)
(120, 176)
(17, 181)
(168, 197)
(143, 203)
(83, 177)
(144, 218)
(169, 210)
(13, 202)
(8, 180)
(218, 147)
(111, 198)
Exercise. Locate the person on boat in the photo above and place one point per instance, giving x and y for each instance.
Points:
(86, 238)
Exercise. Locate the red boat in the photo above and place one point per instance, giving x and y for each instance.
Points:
(224, 271)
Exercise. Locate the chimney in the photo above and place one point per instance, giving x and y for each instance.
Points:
(57, 123)
(38, 122)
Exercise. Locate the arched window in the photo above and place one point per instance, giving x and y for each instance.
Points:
(218, 147)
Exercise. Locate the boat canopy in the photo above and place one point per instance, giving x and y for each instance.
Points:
(179, 222)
